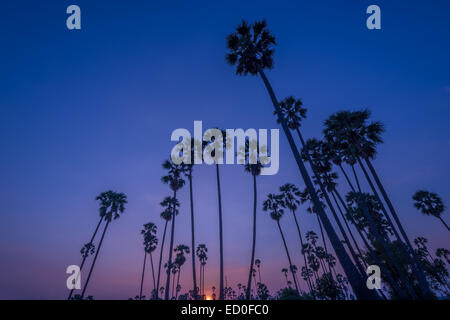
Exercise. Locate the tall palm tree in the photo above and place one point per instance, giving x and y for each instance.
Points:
(351, 132)
(89, 248)
(251, 48)
(113, 205)
(180, 259)
(255, 170)
(150, 243)
(429, 203)
(201, 252)
(291, 201)
(274, 205)
(285, 272)
(258, 266)
(170, 206)
(174, 180)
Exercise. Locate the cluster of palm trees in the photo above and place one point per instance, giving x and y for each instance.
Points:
(354, 214)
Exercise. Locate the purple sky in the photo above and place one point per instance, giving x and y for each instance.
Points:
(85, 111)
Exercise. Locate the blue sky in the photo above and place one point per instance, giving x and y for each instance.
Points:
(90, 110)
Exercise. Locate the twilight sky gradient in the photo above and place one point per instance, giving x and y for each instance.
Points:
(85, 111)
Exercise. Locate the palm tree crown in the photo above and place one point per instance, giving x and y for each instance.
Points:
(251, 48)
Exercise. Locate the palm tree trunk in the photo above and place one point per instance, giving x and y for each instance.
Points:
(288, 255)
(169, 265)
(252, 259)
(95, 259)
(84, 258)
(173, 286)
(303, 254)
(153, 274)
(371, 251)
(356, 178)
(443, 222)
(346, 177)
(417, 268)
(221, 297)
(142, 277)
(324, 246)
(178, 283)
(160, 258)
(347, 226)
(417, 271)
(259, 274)
(333, 211)
(194, 274)
(353, 276)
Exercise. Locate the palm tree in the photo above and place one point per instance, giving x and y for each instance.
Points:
(113, 205)
(273, 204)
(429, 203)
(351, 132)
(251, 48)
(201, 252)
(171, 205)
(291, 195)
(89, 248)
(285, 272)
(174, 180)
(180, 259)
(150, 243)
(258, 266)
(255, 170)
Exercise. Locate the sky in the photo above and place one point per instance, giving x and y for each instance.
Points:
(85, 111)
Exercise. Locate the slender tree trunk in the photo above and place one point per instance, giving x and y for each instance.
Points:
(169, 265)
(303, 254)
(259, 274)
(95, 259)
(194, 274)
(371, 251)
(333, 211)
(288, 255)
(84, 258)
(347, 178)
(221, 297)
(142, 277)
(443, 222)
(173, 286)
(160, 258)
(178, 284)
(354, 277)
(356, 178)
(252, 259)
(324, 246)
(417, 268)
(347, 226)
(153, 274)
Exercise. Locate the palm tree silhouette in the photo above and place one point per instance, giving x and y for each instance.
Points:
(251, 48)
(285, 272)
(180, 259)
(112, 204)
(253, 166)
(150, 243)
(258, 266)
(290, 196)
(174, 180)
(170, 206)
(89, 248)
(430, 204)
(351, 132)
(273, 204)
(201, 253)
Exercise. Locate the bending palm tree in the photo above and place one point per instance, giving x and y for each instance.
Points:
(174, 180)
(291, 201)
(251, 48)
(429, 203)
(171, 205)
(255, 170)
(150, 243)
(180, 259)
(201, 252)
(273, 204)
(113, 205)
(89, 248)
